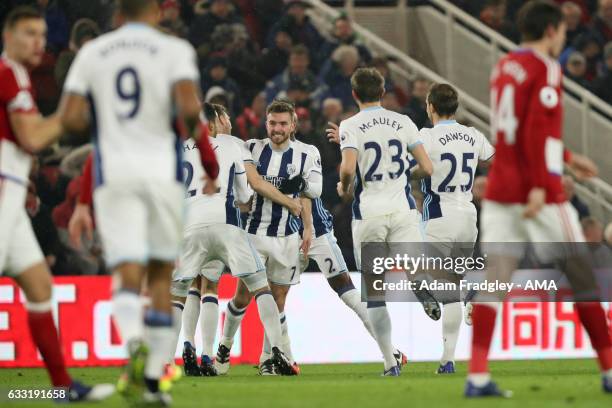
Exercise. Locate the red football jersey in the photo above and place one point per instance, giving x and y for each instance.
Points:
(15, 96)
(526, 121)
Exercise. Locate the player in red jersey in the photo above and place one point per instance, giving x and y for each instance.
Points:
(524, 199)
(23, 131)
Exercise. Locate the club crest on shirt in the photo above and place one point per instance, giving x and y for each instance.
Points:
(291, 169)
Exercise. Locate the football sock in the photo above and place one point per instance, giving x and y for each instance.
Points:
(266, 349)
(593, 318)
(381, 325)
(209, 320)
(177, 313)
(191, 312)
(128, 314)
(44, 334)
(270, 319)
(480, 379)
(451, 323)
(233, 318)
(286, 342)
(159, 338)
(483, 323)
(352, 298)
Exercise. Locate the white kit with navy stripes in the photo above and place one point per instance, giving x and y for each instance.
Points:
(232, 186)
(271, 219)
(454, 150)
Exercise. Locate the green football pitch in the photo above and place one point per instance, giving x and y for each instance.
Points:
(556, 383)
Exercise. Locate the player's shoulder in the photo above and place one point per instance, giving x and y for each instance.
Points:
(305, 147)
(13, 71)
(229, 142)
(526, 64)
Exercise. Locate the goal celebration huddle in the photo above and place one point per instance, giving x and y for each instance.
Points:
(178, 200)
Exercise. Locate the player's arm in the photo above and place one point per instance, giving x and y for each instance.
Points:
(307, 224)
(581, 166)
(33, 131)
(348, 169)
(74, 112)
(241, 186)
(81, 220)
(262, 187)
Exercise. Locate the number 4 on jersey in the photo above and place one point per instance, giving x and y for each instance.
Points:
(502, 115)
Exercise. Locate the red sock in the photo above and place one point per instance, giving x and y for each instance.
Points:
(44, 334)
(593, 319)
(483, 318)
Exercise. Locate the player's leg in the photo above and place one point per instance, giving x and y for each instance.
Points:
(579, 272)
(500, 224)
(23, 260)
(209, 318)
(191, 313)
(452, 315)
(234, 314)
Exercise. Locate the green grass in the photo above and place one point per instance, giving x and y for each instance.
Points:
(556, 383)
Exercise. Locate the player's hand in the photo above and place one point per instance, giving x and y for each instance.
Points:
(582, 167)
(333, 133)
(210, 186)
(535, 201)
(293, 186)
(306, 242)
(344, 195)
(295, 207)
(80, 222)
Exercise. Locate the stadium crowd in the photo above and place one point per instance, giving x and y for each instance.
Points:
(250, 52)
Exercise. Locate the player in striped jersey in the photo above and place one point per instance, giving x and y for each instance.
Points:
(273, 230)
(213, 232)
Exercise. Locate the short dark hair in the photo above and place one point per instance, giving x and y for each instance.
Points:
(444, 99)
(535, 16)
(134, 8)
(368, 84)
(281, 106)
(21, 13)
(300, 50)
(213, 111)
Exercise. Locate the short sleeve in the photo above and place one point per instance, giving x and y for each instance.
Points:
(347, 136)
(411, 133)
(486, 149)
(78, 79)
(247, 150)
(15, 91)
(184, 66)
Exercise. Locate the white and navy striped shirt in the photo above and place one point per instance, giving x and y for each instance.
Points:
(232, 184)
(266, 217)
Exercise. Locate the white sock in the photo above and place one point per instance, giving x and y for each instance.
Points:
(128, 314)
(381, 325)
(286, 342)
(352, 298)
(209, 319)
(191, 312)
(607, 373)
(270, 319)
(177, 313)
(233, 318)
(451, 323)
(479, 379)
(159, 337)
(266, 349)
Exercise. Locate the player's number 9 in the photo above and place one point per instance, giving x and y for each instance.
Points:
(127, 86)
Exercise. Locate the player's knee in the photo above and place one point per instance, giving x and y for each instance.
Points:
(256, 282)
(130, 275)
(341, 283)
(209, 286)
(36, 283)
(180, 289)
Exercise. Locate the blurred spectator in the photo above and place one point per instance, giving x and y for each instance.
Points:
(592, 229)
(215, 74)
(589, 45)
(608, 234)
(382, 65)
(297, 23)
(330, 154)
(343, 34)
(570, 194)
(417, 109)
(250, 123)
(58, 27)
(217, 94)
(171, 18)
(337, 73)
(390, 102)
(575, 68)
(602, 22)
(274, 59)
(298, 92)
(494, 15)
(572, 15)
(602, 86)
(297, 70)
(84, 30)
(203, 26)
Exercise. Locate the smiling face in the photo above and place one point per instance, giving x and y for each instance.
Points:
(26, 40)
(280, 126)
